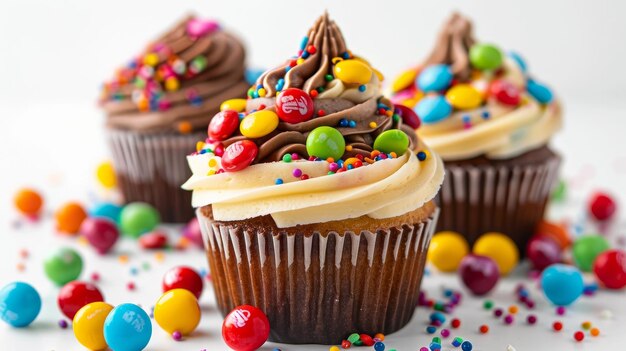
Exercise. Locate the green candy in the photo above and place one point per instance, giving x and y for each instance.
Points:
(138, 218)
(393, 140)
(325, 142)
(560, 192)
(587, 248)
(354, 338)
(485, 57)
(63, 266)
(488, 305)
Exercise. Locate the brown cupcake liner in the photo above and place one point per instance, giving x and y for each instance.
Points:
(505, 198)
(151, 168)
(320, 288)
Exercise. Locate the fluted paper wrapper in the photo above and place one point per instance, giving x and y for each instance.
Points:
(151, 168)
(318, 288)
(506, 198)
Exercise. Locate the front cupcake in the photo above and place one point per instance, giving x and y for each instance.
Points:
(159, 105)
(315, 201)
(491, 124)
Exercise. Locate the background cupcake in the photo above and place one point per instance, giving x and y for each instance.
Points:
(491, 122)
(319, 210)
(159, 105)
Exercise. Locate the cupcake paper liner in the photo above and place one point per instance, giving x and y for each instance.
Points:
(319, 288)
(506, 198)
(151, 168)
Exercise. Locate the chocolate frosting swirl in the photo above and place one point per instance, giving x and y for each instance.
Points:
(452, 46)
(198, 96)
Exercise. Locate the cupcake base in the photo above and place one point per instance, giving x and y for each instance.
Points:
(508, 196)
(320, 283)
(151, 167)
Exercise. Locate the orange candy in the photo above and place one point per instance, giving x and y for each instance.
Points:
(28, 202)
(70, 217)
(554, 231)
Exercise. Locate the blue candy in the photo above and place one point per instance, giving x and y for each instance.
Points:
(433, 109)
(467, 346)
(562, 284)
(107, 210)
(251, 75)
(379, 346)
(540, 92)
(435, 78)
(519, 60)
(127, 328)
(20, 304)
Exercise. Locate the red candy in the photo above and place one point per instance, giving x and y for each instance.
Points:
(557, 326)
(409, 117)
(505, 92)
(602, 206)
(610, 268)
(479, 273)
(75, 295)
(246, 328)
(239, 155)
(153, 240)
(455, 323)
(223, 125)
(183, 278)
(294, 106)
(543, 251)
(367, 340)
(579, 336)
(101, 233)
(346, 344)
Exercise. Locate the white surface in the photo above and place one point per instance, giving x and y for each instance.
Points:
(56, 147)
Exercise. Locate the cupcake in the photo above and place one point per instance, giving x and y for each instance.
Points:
(316, 200)
(491, 123)
(159, 105)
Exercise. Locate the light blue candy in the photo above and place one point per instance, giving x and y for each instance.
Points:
(562, 284)
(127, 328)
(435, 78)
(519, 60)
(433, 109)
(107, 210)
(252, 74)
(540, 92)
(20, 304)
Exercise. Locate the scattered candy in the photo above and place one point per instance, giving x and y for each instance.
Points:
(433, 109)
(602, 206)
(500, 248)
(579, 336)
(294, 106)
(594, 332)
(479, 273)
(508, 319)
(138, 218)
(183, 278)
(246, 328)
(455, 323)
(531, 319)
(484, 329)
(353, 72)
(153, 240)
(106, 175)
(258, 124)
(223, 124)
(485, 57)
(586, 249)
(467, 346)
(325, 142)
(434, 78)
(69, 218)
(192, 232)
(88, 325)
(28, 202)
(127, 328)
(610, 269)
(75, 295)
(239, 155)
(446, 251)
(557, 326)
(177, 310)
(106, 210)
(63, 265)
(392, 140)
(562, 284)
(543, 251)
(20, 304)
(101, 233)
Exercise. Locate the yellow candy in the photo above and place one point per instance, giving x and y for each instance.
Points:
(404, 80)
(500, 248)
(172, 84)
(177, 310)
(238, 105)
(88, 325)
(446, 251)
(199, 146)
(464, 97)
(353, 72)
(259, 124)
(351, 161)
(151, 59)
(106, 175)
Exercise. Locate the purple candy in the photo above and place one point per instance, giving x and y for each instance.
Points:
(479, 274)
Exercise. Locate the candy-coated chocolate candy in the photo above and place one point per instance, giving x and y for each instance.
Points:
(434, 78)
(138, 218)
(88, 325)
(556, 232)
(20, 303)
(69, 218)
(562, 284)
(433, 109)
(479, 273)
(107, 210)
(223, 124)
(610, 269)
(500, 248)
(464, 97)
(586, 249)
(199, 27)
(192, 232)
(505, 92)
(602, 206)
(409, 117)
(259, 124)
(543, 251)
(294, 106)
(28, 202)
(101, 233)
(539, 91)
(246, 328)
(519, 60)
(75, 295)
(153, 240)
(237, 105)
(446, 251)
(404, 80)
(63, 266)
(325, 142)
(239, 155)
(485, 57)
(183, 278)
(177, 310)
(392, 140)
(353, 72)
(127, 328)
(106, 175)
